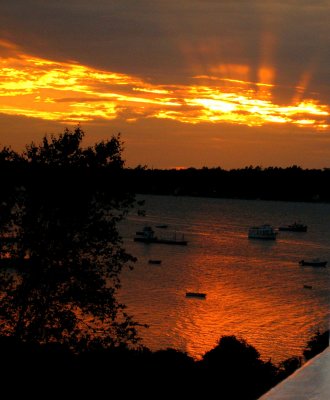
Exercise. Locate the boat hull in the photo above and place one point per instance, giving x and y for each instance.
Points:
(293, 228)
(313, 264)
(196, 294)
(262, 237)
(147, 235)
(264, 232)
(160, 241)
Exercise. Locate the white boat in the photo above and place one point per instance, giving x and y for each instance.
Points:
(265, 232)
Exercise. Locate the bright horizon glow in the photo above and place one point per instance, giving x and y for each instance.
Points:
(69, 93)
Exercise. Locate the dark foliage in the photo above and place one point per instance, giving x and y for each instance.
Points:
(318, 343)
(231, 370)
(59, 209)
(233, 361)
(288, 366)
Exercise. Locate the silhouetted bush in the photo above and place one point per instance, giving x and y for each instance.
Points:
(237, 368)
(288, 366)
(231, 370)
(318, 343)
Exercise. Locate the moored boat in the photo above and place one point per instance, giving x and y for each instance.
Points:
(308, 287)
(147, 235)
(265, 232)
(313, 263)
(196, 294)
(155, 261)
(295, 227)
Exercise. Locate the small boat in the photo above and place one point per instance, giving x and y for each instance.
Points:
(265, 232)
(308, 286)
(316, 262)
(162, 226)
(196, 294)
(295, 227)
(155, 261)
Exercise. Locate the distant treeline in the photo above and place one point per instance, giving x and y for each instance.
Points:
(272, 183)
(288, 184)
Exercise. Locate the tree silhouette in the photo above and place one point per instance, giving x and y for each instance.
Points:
(59, 216)
(318, 343)
(238, 369)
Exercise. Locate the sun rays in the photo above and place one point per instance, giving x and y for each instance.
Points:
(68, 92)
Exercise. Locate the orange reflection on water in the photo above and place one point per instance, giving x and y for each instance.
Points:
(257, 307)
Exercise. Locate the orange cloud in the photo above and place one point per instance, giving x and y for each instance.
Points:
(68, 92)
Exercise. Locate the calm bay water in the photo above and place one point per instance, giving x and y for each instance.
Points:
(255, 289)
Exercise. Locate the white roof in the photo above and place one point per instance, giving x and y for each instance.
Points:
(310, 382)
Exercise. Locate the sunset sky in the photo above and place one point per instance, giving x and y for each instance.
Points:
(188, 83)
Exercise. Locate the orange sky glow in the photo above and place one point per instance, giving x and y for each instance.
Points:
(68, 92)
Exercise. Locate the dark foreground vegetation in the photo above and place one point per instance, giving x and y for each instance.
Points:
(287, 184)
(232, 370)
(61, 326)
